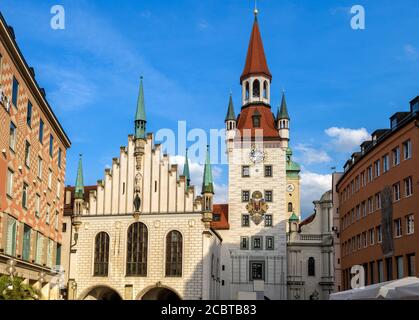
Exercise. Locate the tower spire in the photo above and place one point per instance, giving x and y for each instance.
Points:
(186, 172)
(283, 110)
(231, 116)
(140, 118)
(256, 60)
(207, 183)
(79, 188)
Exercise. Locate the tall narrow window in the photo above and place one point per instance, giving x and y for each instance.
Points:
(396, 156)
(101, 254)
(386, 163)
(247, 94)
(408, 186)
(26, 243)
(12, 136)
(407, 149)
(51, 145)
(265, 90)
(311, 267)
(39, 167)
(137, 250)
(49, 179)
(290, 209)
(39, 248)
(29, 114)
(48, 214)
(25, 196)
(256, 89)
(15, 92)
(174, 254)
(11, 236)
(9, 185)
(41, 131)
(37, 205)
(27, 153)
(59, 157)
(410, 224)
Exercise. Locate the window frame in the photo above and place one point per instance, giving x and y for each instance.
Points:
(268, 171)
(176, 259)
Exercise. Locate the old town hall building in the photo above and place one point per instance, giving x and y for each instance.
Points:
(143, 232)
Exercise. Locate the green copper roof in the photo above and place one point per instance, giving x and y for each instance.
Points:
(283, 111)
(207, 183)
(79, 189)
(294, 217)
(140, 118)
(186, 172)
(293, 168)
(230, 113)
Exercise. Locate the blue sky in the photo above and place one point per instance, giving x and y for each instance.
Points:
(341, 84)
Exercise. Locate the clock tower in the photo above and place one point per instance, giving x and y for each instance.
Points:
(254, 248)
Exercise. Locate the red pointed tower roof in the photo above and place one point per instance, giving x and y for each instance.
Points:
(255, 61)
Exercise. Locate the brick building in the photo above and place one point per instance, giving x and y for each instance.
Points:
(379, 203)
(32, 169)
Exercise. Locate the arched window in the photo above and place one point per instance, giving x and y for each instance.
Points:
(265, 90)
(137, 250)
(290, 207)
(247, 91)
(311, 267)
(174, 254)
(101, 254)
(256, 89)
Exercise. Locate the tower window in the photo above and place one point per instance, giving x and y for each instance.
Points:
(256, 121)
(247, 91)
(245, 196)
(245, 171)
(256, 89)
(290, 207)
(265, 90)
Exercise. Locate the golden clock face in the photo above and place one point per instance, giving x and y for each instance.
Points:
(290, 187)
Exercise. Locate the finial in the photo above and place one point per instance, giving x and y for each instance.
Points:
(231, 92)
(256, 9)
(283, 91)
(80, 155)
(141, 77)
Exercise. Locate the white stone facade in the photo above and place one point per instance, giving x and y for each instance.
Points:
(237, 273)
(167, 205)
(312, 239)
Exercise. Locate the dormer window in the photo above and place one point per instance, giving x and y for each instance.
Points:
(256, 120)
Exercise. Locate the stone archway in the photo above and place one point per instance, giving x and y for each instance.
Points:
(161, 293)
(102, 293)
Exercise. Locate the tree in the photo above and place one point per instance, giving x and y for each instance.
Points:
(14, 289)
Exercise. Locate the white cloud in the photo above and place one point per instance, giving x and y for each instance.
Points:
(411, 52)
(309, 155)
(347, 140)
(313, 186)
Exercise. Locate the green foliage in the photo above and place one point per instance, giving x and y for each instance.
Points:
(16, 290)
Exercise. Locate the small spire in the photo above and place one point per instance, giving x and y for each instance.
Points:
(231, 115)
(186, 172)
(79, 188)
(207, 183)
(283, 110)
(140, 118)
